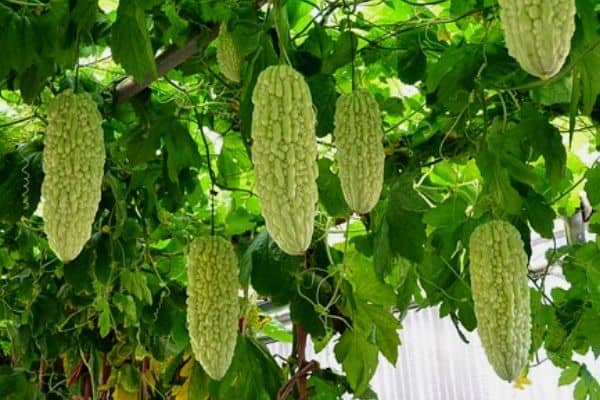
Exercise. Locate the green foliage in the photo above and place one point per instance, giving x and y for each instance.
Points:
(130, 41)
(468, 136)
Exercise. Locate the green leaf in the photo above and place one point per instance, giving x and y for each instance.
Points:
(14, 385)
(569, 375)
(592, 186)
(263, 57)
(406, 233)
(197, 383)
(276, 330)
(130, 42)
(378, 322)
(182, 150)
(239, 221)
(497, 182)
(448, 215)
(360, 272)
(143, 142)
(586, 50)
(459, 7)
(322, 90)
(358, 357)
(129, 378)
(104, 320)
(412, 62)
(343, 52)
(450, 77)
(84, 14)
(253, 374)
(33, 80)
(233, 161)
(136, 284)
(178, 26)
(382, 253)
(126, 305)
(272, 271)
(541, 216)
(321, 389)
(403, 216)
(546, 139)
(215, 10)
(518, 170)
(581, 391)
(331, 196)
(318, 43)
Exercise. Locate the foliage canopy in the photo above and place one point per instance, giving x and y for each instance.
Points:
(469, 136)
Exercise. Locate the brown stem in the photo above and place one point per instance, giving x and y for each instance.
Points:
(301, 337)
(13, 356)
(242, 325)
(87, 386)
(106, 370)
(74, 376)
(286, 389)
(145, 367)
(41, 373)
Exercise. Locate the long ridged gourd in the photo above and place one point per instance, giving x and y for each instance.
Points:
(501, 295)
(212, 303)
(538, 33)
(360, 153)
(227, 56)
(73, 171)
(284, 153)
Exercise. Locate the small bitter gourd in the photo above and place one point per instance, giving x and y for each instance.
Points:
(498, 266)
(538, 33)
(212, 303)
(73, 164)
(227, 55)
(284, 152)
(360, 153)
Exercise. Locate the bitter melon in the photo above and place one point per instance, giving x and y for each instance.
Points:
(73, 164)
(227, 55)
(284, 153)
(360, 153)
(212, 303)
(538, 33)
(498, 266)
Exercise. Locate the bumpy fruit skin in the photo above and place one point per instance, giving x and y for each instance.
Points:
(212, 303)
(538, 33)
(360, 153)
(73, 171)
(501, 296)
(284, 153)
(227, 56)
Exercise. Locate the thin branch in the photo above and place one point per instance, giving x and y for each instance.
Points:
(18, 121)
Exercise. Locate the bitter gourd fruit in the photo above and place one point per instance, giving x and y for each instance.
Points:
(284, 152)
(227, 55)
(73, 164)
(498, 266)
(360, 153)
(212, 303)
(538, 33)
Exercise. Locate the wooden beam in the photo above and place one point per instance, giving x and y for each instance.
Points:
(168, 60)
